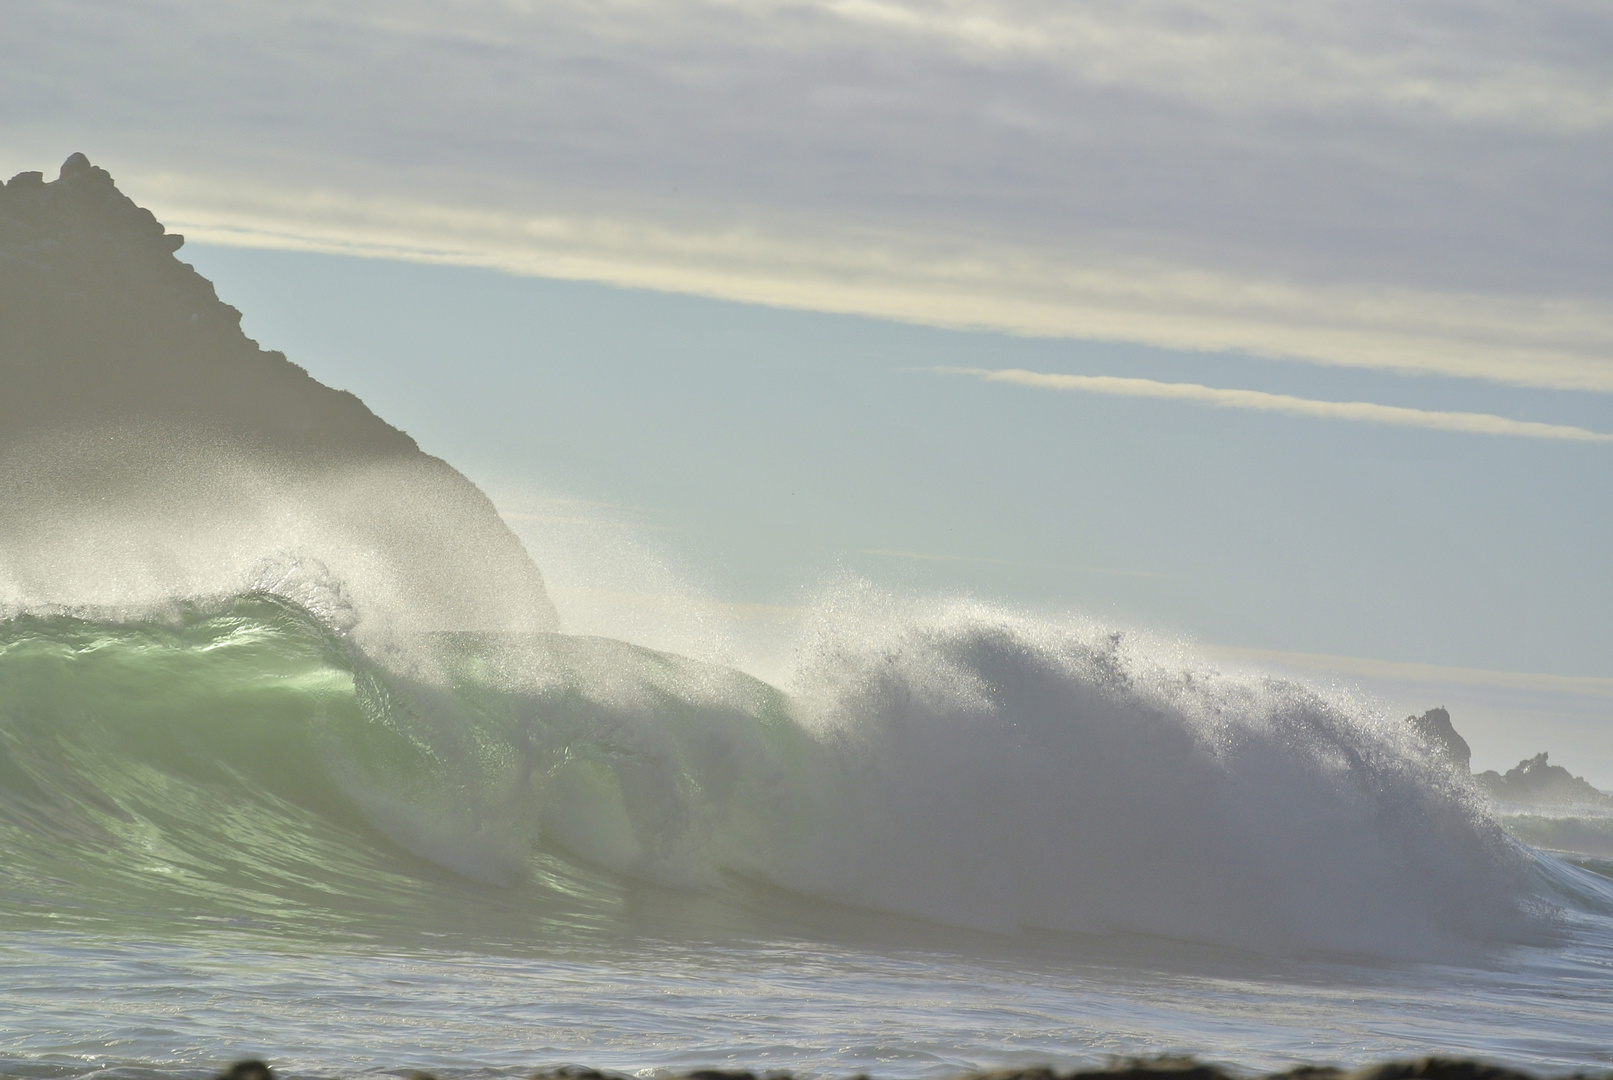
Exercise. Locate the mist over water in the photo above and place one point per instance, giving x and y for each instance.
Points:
(132, 518)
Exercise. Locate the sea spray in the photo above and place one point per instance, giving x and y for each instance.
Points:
(131, 518)
(948, 761)
(1013, 770)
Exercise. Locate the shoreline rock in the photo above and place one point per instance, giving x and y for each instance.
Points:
(1165, 1068)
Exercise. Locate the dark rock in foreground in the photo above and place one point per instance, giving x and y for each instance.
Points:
(1426, 1068)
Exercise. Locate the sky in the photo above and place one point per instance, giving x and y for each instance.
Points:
(1288, 330)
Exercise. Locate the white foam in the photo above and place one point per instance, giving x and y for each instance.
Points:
(987, 769)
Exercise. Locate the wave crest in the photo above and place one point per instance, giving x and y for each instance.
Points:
(954, 762)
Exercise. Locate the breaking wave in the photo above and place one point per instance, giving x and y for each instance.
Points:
(246, 759)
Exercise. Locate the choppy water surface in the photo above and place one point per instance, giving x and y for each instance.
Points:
(960, 837)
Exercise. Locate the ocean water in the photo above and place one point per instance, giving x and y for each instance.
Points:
(956, 836)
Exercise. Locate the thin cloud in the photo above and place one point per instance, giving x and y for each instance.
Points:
(1261, 401)
(1531, 341)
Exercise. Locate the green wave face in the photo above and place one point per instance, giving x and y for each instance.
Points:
(245, 765)
(160, 767)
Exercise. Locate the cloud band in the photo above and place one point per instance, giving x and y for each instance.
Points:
(1324, 187)
(1261, 401)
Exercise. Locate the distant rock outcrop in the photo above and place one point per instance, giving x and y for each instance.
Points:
(1434, 728)
(1533, 782)
(149, 449)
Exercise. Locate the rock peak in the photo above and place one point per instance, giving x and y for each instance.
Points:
(150, 450)
(1535, 781)
(1434, 728)
(78, 167)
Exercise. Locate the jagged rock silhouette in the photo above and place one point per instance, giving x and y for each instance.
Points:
(1536, 782)
(99, 321)
(132, 404)
(1434, 728)
(1167, 1068)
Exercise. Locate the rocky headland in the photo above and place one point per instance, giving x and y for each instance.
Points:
(101, 323)
(149, 449)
